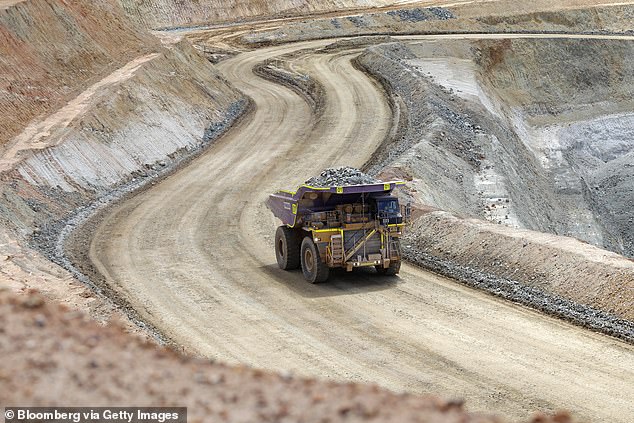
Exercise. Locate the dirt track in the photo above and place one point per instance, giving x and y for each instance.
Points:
(194, 255)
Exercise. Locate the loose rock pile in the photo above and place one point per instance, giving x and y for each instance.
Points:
(419, 15)
(341, 176)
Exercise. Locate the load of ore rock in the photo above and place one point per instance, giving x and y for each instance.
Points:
(341, 176)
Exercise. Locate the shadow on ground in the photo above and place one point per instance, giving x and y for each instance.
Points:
(359, 281)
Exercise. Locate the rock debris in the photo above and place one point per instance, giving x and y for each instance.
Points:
(341, 176)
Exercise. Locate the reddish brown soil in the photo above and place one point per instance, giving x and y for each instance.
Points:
(55, 357)
(48, 50)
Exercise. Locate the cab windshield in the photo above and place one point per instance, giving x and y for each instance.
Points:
(388, 207)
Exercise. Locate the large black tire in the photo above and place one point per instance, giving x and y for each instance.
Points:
(395, 267)
(287, 248)
(314, 269)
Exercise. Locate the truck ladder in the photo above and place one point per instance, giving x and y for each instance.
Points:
(336, 249)
(359, 244)
(394, 248)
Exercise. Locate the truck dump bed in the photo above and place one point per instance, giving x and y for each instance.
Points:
(347, 226)
(290, 206)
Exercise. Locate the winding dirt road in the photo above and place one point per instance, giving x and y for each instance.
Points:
(194, 255)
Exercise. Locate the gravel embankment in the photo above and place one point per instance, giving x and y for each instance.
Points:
(473, 18)
(277, 70)
(559, 276)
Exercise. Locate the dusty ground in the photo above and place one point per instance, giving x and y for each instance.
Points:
(54, 356)
(417, 333)
(102, 131)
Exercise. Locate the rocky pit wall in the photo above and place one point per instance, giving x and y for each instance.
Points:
(463, 154)
(517, 133)
(49, 50)
(448, 143)
(498, 17)
(571, 103)
(131, 126)
(185, 13)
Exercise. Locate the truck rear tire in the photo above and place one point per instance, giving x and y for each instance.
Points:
(395, 267)
(314, 269)
(287, 248)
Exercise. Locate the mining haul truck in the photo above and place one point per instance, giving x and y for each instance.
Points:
(346, 226)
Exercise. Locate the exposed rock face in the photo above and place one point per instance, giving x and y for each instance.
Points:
(170, 106)
(150, 105)
(517, 133)
(171, 13)
(532, 133)
(539, 16)
(91, 108)
(571, 103)
(49, 50)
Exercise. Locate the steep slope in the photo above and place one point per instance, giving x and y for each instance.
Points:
(174, 13)
(92, 108)
(50, 50)
(534, 133)
(527, 132)
(570, 101)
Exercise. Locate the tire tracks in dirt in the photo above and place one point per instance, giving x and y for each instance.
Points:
(194, 255)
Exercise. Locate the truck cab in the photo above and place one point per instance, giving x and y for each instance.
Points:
(388, 210)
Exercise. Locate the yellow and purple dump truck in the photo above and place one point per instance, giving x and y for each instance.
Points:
(340, 226)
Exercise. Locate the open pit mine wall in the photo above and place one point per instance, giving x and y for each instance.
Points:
(472, 17)
(49, 49)
(571, 101)
(175, 13)
(134, 127)
(445, 143)
(560, 142)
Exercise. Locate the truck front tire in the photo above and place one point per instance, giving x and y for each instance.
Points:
(287, 248)
(314, 269)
